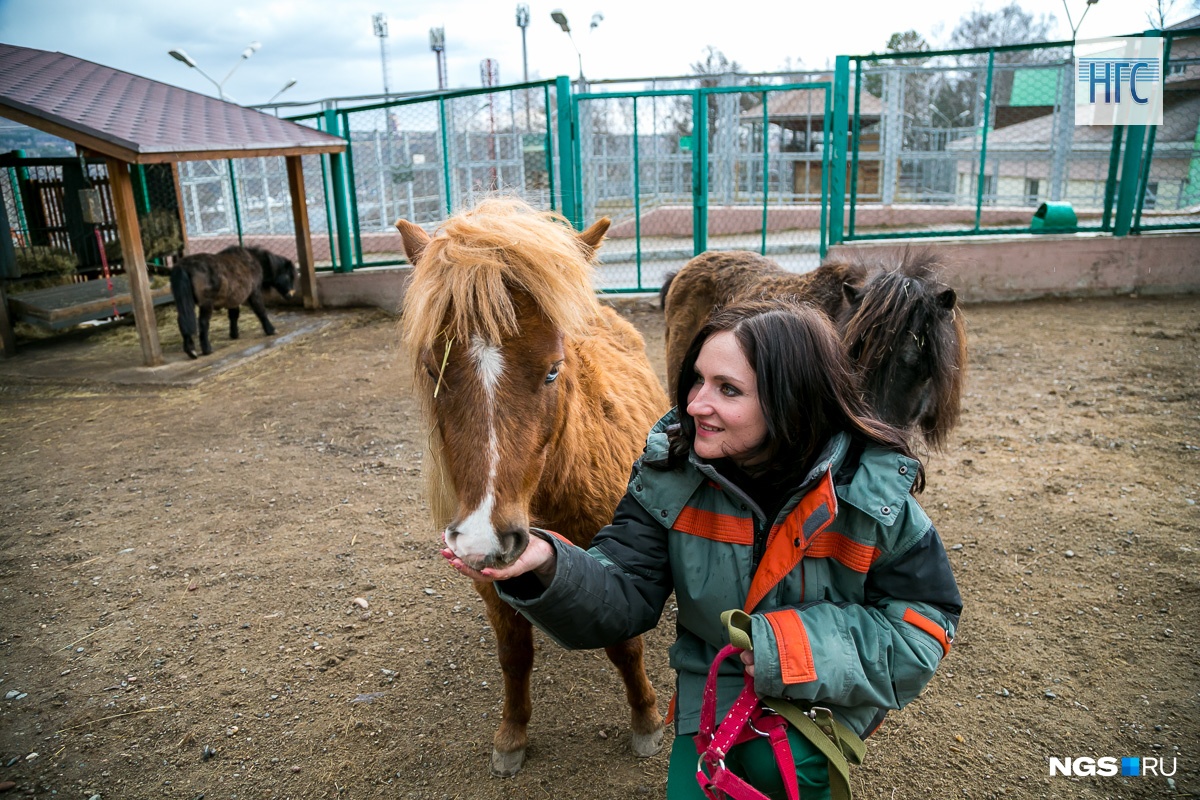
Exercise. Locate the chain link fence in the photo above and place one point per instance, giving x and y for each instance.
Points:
(1169, 189)
(975, 141)
(425, 158)
(698, 163)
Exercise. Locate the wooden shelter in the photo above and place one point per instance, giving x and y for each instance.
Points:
(127, 120)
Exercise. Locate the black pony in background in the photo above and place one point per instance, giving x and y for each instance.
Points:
(227, 279)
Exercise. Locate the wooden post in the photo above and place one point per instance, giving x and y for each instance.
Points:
(8, 269)
(135, 261)
(7, 338)
(304, 248)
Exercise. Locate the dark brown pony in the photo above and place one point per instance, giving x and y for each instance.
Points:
(900, 324)
(227, 279)
(539, 400)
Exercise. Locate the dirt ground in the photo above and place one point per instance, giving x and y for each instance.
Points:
(232, 589)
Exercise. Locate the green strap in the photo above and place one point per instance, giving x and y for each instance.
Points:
(822, 733)
(839, 744)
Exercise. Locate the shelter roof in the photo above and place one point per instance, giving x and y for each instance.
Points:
(139, 120)
(796, 107)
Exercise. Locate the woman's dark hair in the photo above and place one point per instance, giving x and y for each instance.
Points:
(806, 387)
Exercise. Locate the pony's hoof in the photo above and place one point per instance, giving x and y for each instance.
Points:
(505, 765)
(191, 353)
(269, 331)
(648, 744)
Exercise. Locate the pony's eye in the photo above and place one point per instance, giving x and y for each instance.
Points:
(552, 375)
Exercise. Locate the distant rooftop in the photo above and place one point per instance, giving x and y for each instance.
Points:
(139, 120)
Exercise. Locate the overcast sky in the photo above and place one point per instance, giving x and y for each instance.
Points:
(329, 48)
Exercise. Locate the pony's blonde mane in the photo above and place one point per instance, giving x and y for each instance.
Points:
(461, 285)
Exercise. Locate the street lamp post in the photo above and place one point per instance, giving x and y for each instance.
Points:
(561, 19)
(182, 56)
(286, 86)
(1086, 8)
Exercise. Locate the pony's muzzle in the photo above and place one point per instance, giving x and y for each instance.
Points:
(502, 549)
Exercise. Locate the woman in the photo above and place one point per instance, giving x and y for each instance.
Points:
(769, 489)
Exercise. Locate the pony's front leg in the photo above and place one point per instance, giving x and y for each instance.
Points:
(234, 313)
(205, 318)
(646, 722)
(514, 644)
(255, 301)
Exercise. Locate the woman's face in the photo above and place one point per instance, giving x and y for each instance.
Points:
(724, 401)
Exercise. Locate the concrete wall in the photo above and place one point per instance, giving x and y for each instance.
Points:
(989, 269)
(378, 287)
(981, 269)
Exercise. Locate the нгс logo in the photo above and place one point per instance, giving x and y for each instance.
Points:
(1118, 81)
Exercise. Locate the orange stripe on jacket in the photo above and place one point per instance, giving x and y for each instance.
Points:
(795, 654)
(918, 620)
(718, 527)
(844, 550)
(786, 544)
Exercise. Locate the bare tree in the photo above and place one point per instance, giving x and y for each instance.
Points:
(1008, 25)
(1157, 16)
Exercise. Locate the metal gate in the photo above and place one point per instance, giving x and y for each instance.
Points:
(710, 168)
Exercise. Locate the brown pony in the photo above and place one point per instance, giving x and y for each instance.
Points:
(899, 323)
(539, 400)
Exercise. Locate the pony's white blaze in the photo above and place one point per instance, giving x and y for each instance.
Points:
(476, 535)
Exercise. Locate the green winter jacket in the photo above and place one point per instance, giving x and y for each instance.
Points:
(852, 603)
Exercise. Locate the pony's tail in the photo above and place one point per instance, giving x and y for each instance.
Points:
(185, 300)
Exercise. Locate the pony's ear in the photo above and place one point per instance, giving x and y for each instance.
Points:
(851, 293)
(414, 239)
(593, 236)
(947, 299)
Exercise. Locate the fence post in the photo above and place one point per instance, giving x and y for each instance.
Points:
(839, 143)
(699, 172)
(568, 130)
(341, 206)
(1144, 173)
(1131, 173)
(987, 116)
(237, 206)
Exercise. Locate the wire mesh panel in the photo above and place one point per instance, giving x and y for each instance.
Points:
(765, 171)
(248, 202)
(423, 159)
(636, 167)
(62, 220)
(971, 142)
(707, 167)
(1169, 189)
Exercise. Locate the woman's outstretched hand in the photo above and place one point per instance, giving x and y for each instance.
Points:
(538, 558)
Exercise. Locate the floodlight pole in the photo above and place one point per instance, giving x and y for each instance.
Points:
(523, 23)
(437, 43)
(379, 22)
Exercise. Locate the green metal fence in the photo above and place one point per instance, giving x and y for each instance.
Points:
(962, 142)
(969, 142)
(888, 146)
(688, 169)
(1168, 187)
(425, 158)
